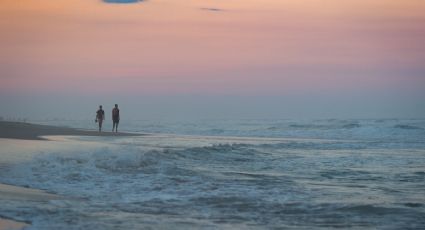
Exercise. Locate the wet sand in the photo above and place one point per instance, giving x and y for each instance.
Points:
(10, 192)
(27, 131)
(6, 224)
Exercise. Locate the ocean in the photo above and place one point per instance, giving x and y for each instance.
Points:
(226, 174)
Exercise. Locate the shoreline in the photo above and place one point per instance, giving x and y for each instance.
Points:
(29, 131)
(12, 192)
(9, 224)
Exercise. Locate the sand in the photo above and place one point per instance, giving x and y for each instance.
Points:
(27, 131)
(10, 192)
(6, 224)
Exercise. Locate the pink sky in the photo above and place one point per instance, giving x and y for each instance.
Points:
(178, 47)
(242, 48)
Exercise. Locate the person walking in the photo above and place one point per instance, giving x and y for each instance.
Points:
(115, 118)
(100, 116)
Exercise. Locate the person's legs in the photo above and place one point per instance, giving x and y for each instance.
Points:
(100, 125)
(115, 126)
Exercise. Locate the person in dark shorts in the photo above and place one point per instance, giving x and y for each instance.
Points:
(100, 116)
(115, 118)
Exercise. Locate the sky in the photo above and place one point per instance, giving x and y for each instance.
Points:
(213, 58)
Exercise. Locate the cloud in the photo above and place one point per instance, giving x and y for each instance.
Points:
(121, 1)
(212, 9)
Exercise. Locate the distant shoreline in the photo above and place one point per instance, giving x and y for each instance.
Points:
(28, 131)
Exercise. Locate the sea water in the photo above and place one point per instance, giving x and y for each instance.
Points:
(228, 174)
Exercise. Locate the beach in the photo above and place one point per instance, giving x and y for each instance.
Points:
(6, 224)
(27, 131)
(238, 174)
(231, 115)
(9, 192)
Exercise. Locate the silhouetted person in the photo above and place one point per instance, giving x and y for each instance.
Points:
(100, 116)
(115, 118)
